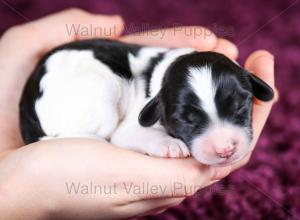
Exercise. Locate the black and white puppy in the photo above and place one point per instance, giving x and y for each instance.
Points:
(159, 101)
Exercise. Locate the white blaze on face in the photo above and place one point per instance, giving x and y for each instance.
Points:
(202, 83)
(222, 142)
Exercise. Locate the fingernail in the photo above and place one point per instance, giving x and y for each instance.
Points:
(270, 54)
(267, 55)
(272, 57)
(265, 58)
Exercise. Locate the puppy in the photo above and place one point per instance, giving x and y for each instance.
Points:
(157, 101)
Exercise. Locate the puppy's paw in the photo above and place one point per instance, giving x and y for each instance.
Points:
(168, 147)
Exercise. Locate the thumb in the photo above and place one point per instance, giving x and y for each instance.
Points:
(261, 63)
(75, 24)
(40, 36)
(181, 177)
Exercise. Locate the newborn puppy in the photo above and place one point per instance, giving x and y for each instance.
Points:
(158, 101)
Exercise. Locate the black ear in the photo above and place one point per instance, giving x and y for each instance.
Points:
(261, 90)
(150, 113)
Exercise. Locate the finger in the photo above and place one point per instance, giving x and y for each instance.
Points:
(227, 48)
(261, 63)
(180, 177)
(220, 173)
(161, 210)
(65, 26)
(241, 163)
(276, 95)
(76, 24)
(250, 60)
(196, 37)
(44, 34)
(176, 177)
(25, 43)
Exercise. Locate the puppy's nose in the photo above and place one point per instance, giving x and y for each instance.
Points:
(227, 151)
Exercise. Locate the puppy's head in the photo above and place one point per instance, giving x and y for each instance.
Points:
(206, 101)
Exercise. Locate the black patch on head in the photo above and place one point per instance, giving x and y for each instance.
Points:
(234, 104)
(233, 95)
(182, 114)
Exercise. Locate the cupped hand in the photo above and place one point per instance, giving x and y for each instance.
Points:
(34, 179)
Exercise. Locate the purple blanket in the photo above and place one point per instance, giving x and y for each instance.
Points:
(269, 186)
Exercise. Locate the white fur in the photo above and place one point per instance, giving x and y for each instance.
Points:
(130, 134)
(218, 135)
(200, 79)
(80, 96)
(152, 141)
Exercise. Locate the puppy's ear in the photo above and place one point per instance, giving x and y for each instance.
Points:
(261, 90)
(150, 113)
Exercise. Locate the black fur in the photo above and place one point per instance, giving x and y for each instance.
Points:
(29, 123)
(260, 89)
(180, 109)
(112, 53)
(148, 71)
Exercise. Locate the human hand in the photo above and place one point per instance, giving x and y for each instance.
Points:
(49, 165)
(20, 49)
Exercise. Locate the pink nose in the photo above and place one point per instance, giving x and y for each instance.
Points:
(225, 152)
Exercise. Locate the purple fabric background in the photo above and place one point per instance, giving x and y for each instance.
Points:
(269, 186)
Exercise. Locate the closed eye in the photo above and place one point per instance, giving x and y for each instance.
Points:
(193, 107)
(193, 115)
(238, 101)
